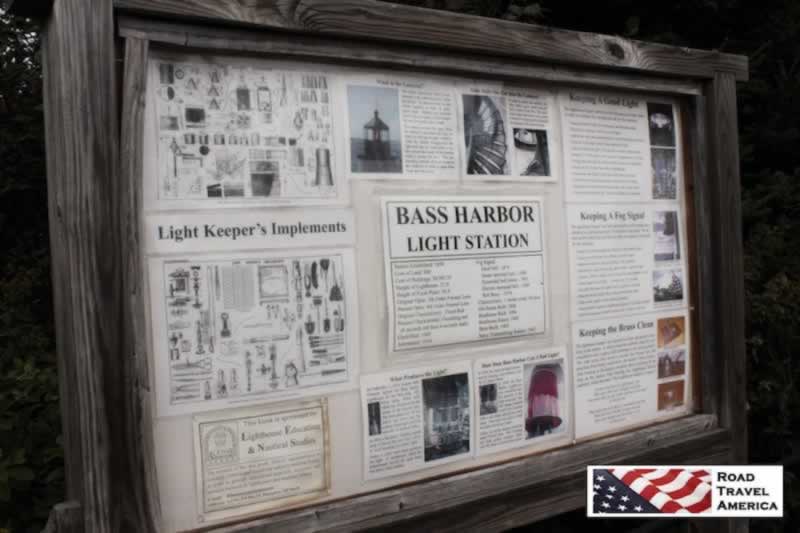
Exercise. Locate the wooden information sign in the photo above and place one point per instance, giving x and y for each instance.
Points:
(343, 265)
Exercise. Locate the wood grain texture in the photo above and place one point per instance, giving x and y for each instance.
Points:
(529, 505)
(55, 114)
(81, 133)
(387, 55)
(106, 425)
(701, 256)
(708, 367)
(729, 270)
(385, 22)
(726, 207)
(143, 506)
(688, 141)
(65, 517)
(462, 501)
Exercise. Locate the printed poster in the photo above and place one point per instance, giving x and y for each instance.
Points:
(416, 418)
(258, 459)
(461, 269)
(252, 327)
(235, 132)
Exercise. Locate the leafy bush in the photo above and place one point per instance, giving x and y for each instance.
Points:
(31, 456)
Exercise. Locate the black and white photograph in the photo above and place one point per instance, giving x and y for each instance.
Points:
(661, 122)
(531, 155)
(488, 398)
(544, 392)
(665, 173)
(671, 363)
(485, 134)
(667, 285)
(447, 422)
(375, 136)
(667, 238)
(374, 418)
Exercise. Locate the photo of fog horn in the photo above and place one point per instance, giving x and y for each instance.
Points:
(667, 239)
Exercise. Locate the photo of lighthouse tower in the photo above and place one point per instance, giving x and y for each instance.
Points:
(375, 137)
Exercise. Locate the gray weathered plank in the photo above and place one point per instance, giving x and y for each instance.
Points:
(690, 440)
(689, 157)
(702, 255)
(559, 495)
(143, 500)
(381, 21)
(81, 137)
(66, 517)
(729, 271)
(55, 114)
(383, 55)
(728, 258)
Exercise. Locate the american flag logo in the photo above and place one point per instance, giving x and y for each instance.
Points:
(636, 491)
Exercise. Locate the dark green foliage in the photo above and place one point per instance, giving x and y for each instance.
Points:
(771, 204)
(31, 462)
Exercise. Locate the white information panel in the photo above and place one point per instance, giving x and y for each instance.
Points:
(463, 270)
(360, 278)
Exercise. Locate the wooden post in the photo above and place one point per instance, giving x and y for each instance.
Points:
(106, 427)
(720, 269)
(143, 508)
(65, 517)
(81, 137)
(726, 211)
(729, 263)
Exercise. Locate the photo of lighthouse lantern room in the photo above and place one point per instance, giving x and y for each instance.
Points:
(376, 111)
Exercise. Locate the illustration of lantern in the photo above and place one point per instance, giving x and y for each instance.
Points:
(264, 102)
(376, 139)
(324, 175)
(242, 97)
(543, 413)
(179, 283)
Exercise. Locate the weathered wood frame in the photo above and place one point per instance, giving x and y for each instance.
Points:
(95, 53)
